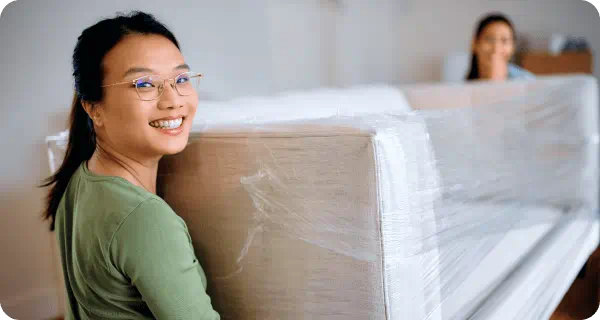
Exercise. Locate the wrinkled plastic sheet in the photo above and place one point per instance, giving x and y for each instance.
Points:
(485, 211)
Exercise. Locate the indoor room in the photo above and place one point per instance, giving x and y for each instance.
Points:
(286, 159)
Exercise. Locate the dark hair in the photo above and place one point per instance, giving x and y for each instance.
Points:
(88, 72)
(483, 23)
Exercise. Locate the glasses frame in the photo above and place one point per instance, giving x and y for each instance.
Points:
(161, 87)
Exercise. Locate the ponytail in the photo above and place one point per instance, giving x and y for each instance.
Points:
(81, 146)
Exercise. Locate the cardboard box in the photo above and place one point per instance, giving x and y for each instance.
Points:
(545, 63)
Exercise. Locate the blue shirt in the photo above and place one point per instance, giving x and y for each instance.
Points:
(515, 72)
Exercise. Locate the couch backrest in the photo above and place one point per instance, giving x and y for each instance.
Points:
(519, 140)
(298, 105)
(461, 95)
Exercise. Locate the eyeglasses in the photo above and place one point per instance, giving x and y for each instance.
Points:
(491, 40)
(151, 87)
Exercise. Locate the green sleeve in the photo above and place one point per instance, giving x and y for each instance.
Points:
(153, 249)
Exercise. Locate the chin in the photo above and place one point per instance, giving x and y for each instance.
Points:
(173, 146)
(174, 149)
(169, 142)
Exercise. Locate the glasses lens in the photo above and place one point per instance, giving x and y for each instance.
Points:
(148, 87)
(187, 83)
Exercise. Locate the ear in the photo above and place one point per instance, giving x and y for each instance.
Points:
(94, 112)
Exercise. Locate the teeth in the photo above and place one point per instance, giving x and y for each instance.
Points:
(167, 124)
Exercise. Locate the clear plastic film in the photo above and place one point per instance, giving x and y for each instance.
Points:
(482, 203)
(56, 147)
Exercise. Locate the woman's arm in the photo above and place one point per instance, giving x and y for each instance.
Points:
(153, 248)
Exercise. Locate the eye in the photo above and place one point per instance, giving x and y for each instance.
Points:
(489, 39)
(144, 83)
(183, 79)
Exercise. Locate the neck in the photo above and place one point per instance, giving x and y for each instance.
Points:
(108, 161)
(493, 71)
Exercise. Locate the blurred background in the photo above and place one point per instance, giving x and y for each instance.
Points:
(243, 48)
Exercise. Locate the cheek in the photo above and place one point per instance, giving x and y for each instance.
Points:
(483, 49)
(192, 105)
(126, 116)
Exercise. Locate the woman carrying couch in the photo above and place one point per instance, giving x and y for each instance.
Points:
(492, 50)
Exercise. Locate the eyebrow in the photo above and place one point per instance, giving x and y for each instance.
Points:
(133, 70)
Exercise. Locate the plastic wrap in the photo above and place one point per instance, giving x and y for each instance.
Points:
(56, 147)
(482, 207)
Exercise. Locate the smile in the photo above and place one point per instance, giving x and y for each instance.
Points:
(167, 124)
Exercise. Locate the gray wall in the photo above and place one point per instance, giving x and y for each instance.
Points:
(259, 48)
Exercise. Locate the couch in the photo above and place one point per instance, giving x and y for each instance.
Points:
(430, 201)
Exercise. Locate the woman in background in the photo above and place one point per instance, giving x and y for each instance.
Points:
(492, 50)
(125, 254)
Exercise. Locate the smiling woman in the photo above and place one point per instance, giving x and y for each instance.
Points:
(125, 254)
(493, 47)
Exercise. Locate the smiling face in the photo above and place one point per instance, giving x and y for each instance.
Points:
(495, 43)
(144, 129)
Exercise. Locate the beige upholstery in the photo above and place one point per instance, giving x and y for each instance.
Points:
(288, 220)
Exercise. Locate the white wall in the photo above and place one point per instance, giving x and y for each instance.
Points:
(259, 48)
(404, 41)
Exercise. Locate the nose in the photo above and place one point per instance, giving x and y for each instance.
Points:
(170, 98)
(496, 46)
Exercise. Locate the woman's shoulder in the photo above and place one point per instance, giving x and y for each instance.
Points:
(115, 186)
(516, 72)
(111, 201)
(132, 211)
(147, 227)
(155, 208)
(150, 216)
(110, 194)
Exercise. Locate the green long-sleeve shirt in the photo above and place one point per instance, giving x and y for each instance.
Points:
(126, 254)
